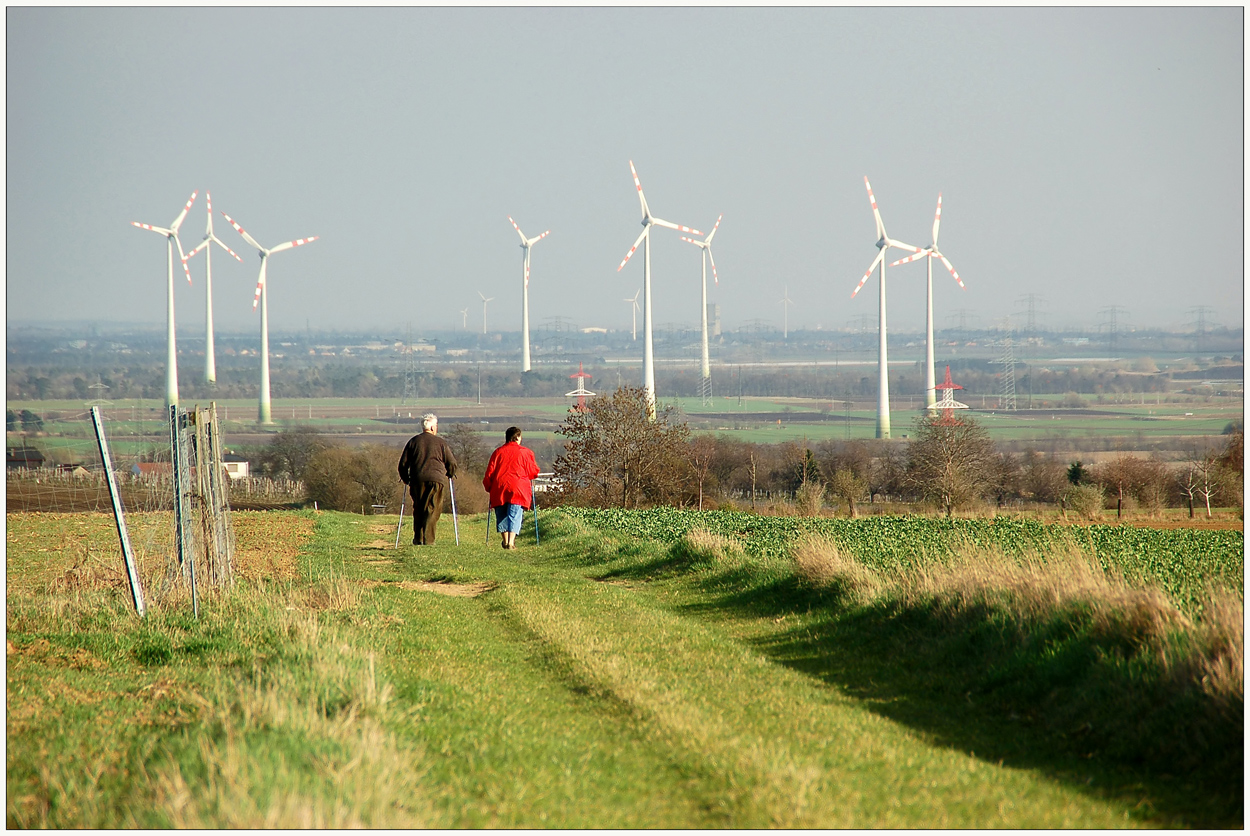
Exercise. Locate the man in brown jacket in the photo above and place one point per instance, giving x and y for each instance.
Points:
(425, 467)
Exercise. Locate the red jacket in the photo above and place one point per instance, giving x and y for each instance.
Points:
(508, 475)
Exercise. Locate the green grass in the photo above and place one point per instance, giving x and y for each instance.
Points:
(603, 680)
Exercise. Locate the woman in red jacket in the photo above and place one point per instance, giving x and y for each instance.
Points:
(507, 479)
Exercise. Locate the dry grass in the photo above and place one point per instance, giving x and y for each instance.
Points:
(705, 548)
(822, 563)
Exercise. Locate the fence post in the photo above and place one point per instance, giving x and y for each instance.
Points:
(136, 592)
(182, 531)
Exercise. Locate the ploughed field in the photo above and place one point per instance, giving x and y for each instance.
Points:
(653, 668)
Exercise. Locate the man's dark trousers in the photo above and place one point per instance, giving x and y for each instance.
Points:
(427, 506)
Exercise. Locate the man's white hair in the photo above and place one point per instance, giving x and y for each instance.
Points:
(429, 421)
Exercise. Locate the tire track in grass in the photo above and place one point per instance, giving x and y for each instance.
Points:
(789, 753)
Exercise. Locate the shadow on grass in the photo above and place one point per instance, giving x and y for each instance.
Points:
(1054, 698)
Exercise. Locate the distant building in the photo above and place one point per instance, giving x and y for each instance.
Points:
(237, 467)
(713, 320)
(23, 458)
(152, 469)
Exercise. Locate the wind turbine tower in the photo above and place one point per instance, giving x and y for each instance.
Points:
(705, 246)
(210, 359)
(171, 347)
(928, 254)
(261, 296)
(633, 313)
(648, 220)
(526, 243)
(884, 242)
(785, 312)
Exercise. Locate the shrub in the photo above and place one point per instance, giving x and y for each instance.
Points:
(809, 499)
(1085, 500)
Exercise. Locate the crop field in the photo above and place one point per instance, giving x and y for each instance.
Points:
(637, 669)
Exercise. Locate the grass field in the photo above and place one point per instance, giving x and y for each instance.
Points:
(610, 677)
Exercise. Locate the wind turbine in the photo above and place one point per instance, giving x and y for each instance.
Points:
(648, 220)
(633, 313)
(884, 242)
(785, 303)
(464, 319)
(705, 247)
(171, 347)
(262, 296)
(484, 301)
(210, 359)
(929, 253)
(526, 243)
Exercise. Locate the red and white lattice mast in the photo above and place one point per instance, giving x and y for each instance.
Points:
(948, 404)
(580, 392)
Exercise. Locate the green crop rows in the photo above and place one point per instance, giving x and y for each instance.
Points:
(1184, 563)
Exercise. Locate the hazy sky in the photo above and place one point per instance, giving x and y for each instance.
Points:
(1093, 157)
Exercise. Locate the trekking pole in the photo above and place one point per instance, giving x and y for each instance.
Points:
(488, 526)
(534, 494)
(399, 529)
(454, 523)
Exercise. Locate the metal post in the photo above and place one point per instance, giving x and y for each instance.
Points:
(455, 524)
(534, 494)
(132, 575)
(399, 530)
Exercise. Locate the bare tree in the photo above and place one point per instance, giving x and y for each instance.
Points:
(848, 487)
(615, 453)
(468, 446)
(949, 463)
(289, 452)
(701, 455)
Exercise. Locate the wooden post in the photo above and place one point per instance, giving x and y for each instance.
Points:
(136, 592)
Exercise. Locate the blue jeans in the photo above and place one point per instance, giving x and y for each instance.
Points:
(508, 518)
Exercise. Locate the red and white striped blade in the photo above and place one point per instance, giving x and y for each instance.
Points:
(880, 257)
(692, 241)
(181, 215)
(951, 267)
(531, 242)
(899, 245)
(183, 256)
(249, 239)
(641, 198)
(260, 282)
(937, 219)
(678, 227)
(875, 214)
(715, 278)
(911, 258)
(518, 231)
(645, 230)
(298, 242)
(160, 229)
(715, 227)
(222, 244)
(208, 198)
(199, 247)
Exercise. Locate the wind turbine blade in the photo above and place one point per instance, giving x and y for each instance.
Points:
(222, 244)
(298, 242)
(199, 247)
(951, 267)
(715, 226)
(249, 239)
(260, 282)
(875, 214)
(480, 296)
(937, 219)
(160, 229)
(899, 245)
(671, 225)
(524, 243)
(645, 230)
(715, 278)
(880, 257)
(911, 258)
(646, 213)
(178, 220)
(692, 241)
(183, 256)
(531, 242)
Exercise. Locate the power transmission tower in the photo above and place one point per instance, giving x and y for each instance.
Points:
(99, 388)
(962, 315)
(1112, 314)
(847, 402)
(410, 370)
(1200, 326)
(1030, 312)
(1008, 362)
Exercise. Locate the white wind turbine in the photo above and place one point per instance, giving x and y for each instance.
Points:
(929, 253)
(210, 359)
(785, 303)
(262, 296)
(171, 347)
(883, 381)
(648, 220)
(484, 301)
(705, 246)
(464, 319)
(526, 243)
(633, 313)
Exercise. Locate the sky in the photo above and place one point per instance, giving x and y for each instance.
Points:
(1087, 157)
